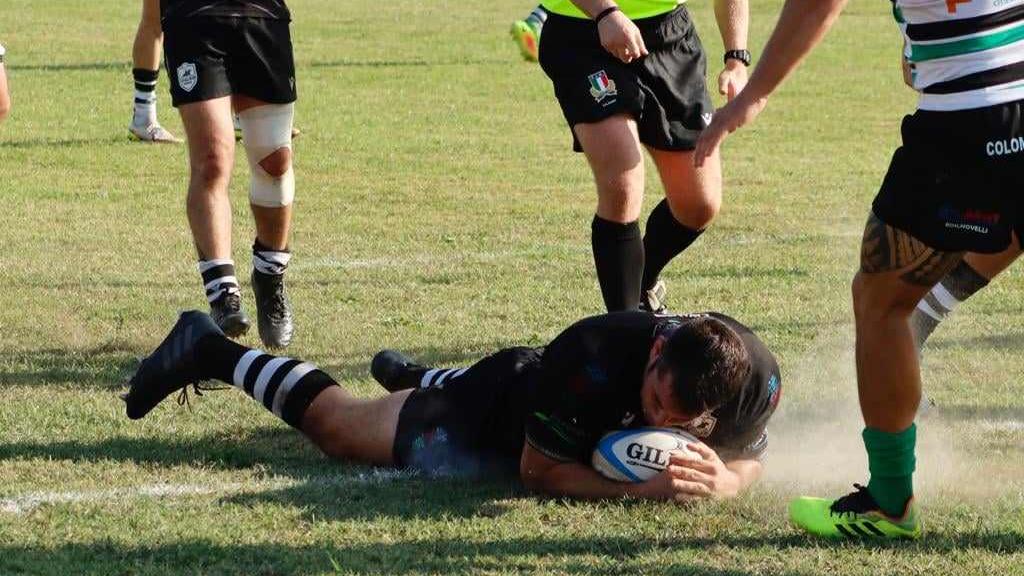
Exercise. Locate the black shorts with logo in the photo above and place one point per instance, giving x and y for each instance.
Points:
(664, 91)
(211, 57)
(470, 424)
(957, 182)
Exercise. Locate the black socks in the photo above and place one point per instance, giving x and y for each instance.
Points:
(619, 259)
(664, 239)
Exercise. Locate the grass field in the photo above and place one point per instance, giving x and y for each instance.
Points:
(440, 212)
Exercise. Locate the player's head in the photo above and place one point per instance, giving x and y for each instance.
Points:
(702, 365)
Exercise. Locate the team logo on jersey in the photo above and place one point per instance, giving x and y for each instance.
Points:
(601, 86)
(187, 76)
(702, 426)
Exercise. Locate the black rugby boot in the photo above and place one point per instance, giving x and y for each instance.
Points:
(394, 371)
(273, 312)
(172, 366)
(227, 312)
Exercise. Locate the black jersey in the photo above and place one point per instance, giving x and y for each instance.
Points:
(178, 9)
(590, 380)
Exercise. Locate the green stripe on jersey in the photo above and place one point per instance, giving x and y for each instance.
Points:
(924, 52)
(633, 9)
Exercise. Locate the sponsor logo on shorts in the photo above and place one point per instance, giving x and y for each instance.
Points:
(977, 221)
(602, 87)
(187, 76)
(1005, 147)
(706, 117)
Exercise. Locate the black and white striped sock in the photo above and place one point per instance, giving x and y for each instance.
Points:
(218, 278)
(269, 261)
(285, 386)
(436, 377)
(145, 96)
(957, 286)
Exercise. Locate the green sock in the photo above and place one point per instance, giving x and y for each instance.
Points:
(891, 462)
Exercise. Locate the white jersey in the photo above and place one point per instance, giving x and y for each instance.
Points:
(964, 53)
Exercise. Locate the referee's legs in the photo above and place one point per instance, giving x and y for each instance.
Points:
(613, 149)
(693, 197)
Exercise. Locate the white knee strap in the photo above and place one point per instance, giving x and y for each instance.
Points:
(266, 129)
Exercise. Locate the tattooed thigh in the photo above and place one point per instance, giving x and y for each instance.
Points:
(888, 249)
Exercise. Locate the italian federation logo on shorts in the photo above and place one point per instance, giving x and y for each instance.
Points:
(187, 76)
(601, 86)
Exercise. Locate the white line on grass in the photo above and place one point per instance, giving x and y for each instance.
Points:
(26, 503)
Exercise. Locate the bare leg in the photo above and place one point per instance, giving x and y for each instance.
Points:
(693, 197)
(148, 38)
(896, 271)
(350, 428)
(612, 147)
(211, 148)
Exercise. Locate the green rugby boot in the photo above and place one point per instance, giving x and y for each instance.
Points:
(527, 37)
(855, 515)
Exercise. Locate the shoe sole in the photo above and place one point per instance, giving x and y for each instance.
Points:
(136, 138)
(234, 326)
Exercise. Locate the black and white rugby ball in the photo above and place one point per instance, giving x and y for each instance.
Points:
(636, 455)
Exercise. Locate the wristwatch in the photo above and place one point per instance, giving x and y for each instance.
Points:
(2, 52)
(741, 55)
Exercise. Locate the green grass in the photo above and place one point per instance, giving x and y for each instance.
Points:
(440, 211)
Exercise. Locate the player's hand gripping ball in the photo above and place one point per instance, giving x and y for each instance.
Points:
(639, 454)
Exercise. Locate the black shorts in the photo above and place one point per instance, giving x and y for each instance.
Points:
(957, 182)
(664, 91)
(471, 424)
(211, 57)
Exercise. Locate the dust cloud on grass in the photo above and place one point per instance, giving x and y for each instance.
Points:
(816, 446)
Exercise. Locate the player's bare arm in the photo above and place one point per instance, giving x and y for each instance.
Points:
(801, 26)
(619, 35)
(733, 17)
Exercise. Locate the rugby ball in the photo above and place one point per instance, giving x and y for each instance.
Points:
(638, 454)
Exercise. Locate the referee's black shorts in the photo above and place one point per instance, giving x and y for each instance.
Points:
(215, 56)
(664, 91)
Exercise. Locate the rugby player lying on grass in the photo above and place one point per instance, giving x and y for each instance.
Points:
(536, 411)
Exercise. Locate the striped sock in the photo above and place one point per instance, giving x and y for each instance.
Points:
(436, 377)
(956, 287)
(145, 96)
(269, 261)
(285, 386)
(218, 278)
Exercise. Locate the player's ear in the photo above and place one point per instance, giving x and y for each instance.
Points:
(659, 343)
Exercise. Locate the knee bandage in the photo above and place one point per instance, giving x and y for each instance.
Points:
(265, 130)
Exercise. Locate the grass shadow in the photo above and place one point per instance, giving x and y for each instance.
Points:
(608, 554)
(277, 450)
(1012, 342)
(63, 142)
(107, 366)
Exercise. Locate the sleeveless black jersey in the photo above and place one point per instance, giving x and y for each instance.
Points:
(171, 10)
(590, 379)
